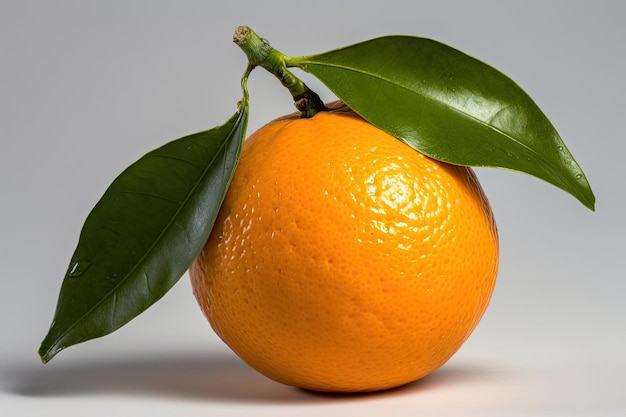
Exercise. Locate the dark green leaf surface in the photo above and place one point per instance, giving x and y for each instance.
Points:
(449, 106)
(143, 234)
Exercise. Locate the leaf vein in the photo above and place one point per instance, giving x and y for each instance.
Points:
(139, 193)
(173, 157)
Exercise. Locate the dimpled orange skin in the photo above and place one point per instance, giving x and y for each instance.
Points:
(342, 260)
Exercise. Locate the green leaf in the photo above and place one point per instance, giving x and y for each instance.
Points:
(449, 106)
(143, 234)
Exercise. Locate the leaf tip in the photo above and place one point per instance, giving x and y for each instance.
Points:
(45, 354)
(48, 350)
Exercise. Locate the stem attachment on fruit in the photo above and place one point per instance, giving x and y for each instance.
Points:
(260, 53)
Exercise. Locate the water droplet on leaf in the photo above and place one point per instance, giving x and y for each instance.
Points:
(79, 267)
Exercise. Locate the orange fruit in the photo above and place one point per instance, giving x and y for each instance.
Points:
(344, 260)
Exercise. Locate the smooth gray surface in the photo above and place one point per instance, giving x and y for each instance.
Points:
(87, 87)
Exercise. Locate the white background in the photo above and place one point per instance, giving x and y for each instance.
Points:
(87, 87)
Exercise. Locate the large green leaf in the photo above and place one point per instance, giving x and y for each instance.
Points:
(449, 106)
(143, 234)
